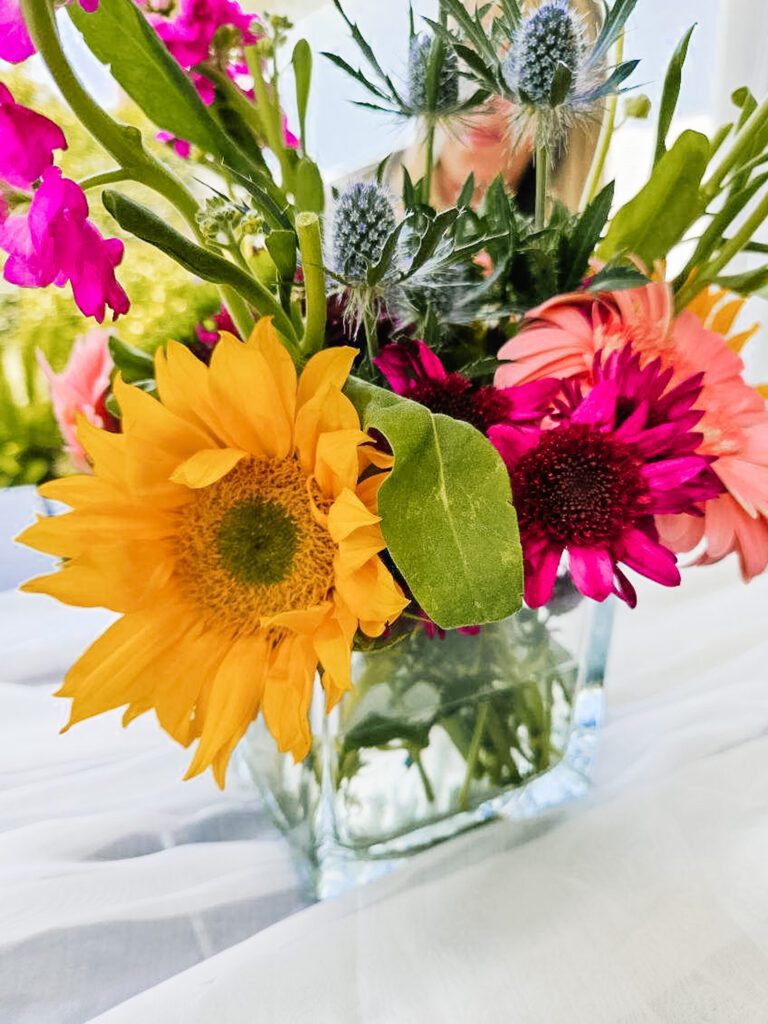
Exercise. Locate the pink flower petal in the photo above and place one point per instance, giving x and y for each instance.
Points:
(592, 571)
(15, 42)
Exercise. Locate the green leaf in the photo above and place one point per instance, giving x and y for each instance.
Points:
(660, 214)
(147, 226)
(671, 94)
(308, 187)
(562, 80)
(447, 513)
(302, 73)
(119, 35)
(587, 235)
(133, 363)
(148, 384)
(747, 283)
(616, 278)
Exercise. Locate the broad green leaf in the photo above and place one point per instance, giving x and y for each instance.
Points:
(119, 35)
(309, 189)
(147, 226)
(660, 214)
(447, 513)
(671, 93)
(302, 73)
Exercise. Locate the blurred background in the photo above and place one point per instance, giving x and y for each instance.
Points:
(724, 54)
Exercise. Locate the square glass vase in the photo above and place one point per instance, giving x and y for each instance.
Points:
(439, 735)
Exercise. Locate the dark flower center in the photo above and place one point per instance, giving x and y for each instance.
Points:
(457, 397)
(579, 486)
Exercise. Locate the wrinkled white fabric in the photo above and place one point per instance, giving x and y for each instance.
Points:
(645, 904)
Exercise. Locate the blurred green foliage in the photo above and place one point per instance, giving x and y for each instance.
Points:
(165, 303)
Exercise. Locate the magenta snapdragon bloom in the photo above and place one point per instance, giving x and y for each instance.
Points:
(190, 33)
(414, 371)
(15, 42)
(27, 142)
(590, 482)
(54, 242)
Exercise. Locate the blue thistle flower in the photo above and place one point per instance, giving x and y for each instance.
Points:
(419, 57)
(550, 36)
(363, 221)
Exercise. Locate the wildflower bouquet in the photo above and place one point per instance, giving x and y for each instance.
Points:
(428, 436)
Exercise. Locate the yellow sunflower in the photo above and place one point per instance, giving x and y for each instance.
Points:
(233, 524)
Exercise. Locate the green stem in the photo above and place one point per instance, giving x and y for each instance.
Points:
(426, 188)
(238, 310)
(104, 178)
(123, 142)
(607, 131)
(472, 755)
(268, 113)
(311, 246)
(428, 790)
(741, 146)
(728, 252)
(371, 336)
(542, 173)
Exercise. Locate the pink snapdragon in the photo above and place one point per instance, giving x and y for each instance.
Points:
(80, 389)
(27, 141)
(15, 42)
(189, 35)
(55, 243)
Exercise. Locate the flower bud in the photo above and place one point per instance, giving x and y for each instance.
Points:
(638, 107)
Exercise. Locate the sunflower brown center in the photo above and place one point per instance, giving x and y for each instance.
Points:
(249, 546)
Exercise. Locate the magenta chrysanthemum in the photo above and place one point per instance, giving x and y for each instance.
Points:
(590, 483)
(414, 371)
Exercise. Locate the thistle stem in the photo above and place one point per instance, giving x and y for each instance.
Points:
(426, 188)
(542, 173)
(371, 336)
(311, 246)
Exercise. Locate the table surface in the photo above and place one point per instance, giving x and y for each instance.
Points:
(127, 895)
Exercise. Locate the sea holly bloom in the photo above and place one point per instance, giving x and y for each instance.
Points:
(80, 390)
(233, 525)
(54, 242)
(27, 142)
(414, 371)
(592, 483)
(561, 339)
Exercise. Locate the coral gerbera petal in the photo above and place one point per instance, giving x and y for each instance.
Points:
(235, 535)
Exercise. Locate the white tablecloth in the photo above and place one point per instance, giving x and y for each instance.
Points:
(129, 896)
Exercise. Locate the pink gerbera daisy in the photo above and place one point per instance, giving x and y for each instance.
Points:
(562, 337)
(591, 482)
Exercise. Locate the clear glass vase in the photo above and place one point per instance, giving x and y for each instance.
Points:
(439, 735)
